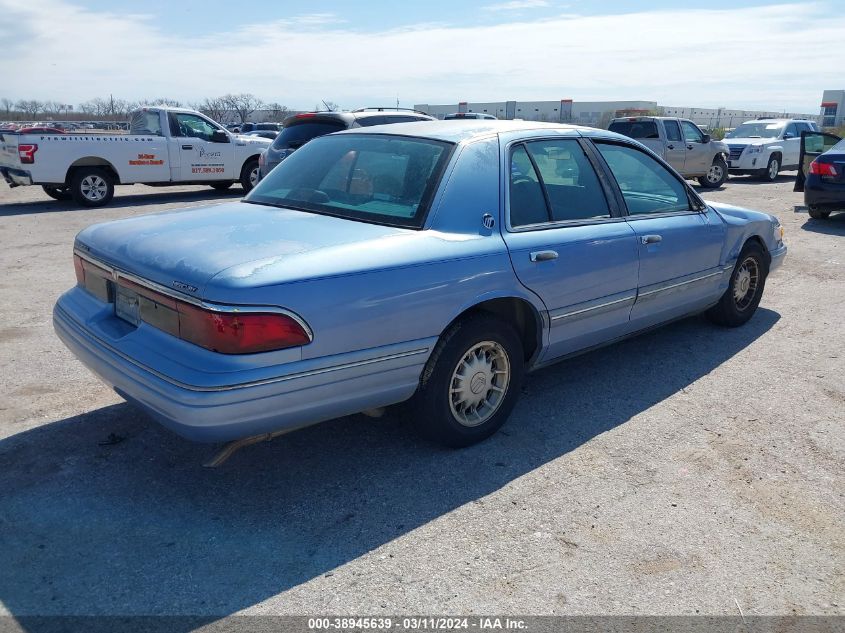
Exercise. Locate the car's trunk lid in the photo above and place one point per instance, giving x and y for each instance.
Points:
(184, 250)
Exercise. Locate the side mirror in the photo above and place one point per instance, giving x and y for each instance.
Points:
(219, 136)
(788, 135)
(706, 139)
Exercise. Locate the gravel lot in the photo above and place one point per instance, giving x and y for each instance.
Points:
(690, 470)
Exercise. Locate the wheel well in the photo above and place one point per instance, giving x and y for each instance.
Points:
(520, 314)
(776, 153)
(755, 239)
(91, 161)
(253, 157)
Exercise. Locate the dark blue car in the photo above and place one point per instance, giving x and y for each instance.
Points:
(821, 174)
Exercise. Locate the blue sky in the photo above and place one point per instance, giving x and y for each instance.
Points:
(710, 54)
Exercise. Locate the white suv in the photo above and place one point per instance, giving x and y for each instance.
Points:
(766, 146)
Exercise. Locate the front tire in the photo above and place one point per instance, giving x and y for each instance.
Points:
(745, 289)
(716, 175)
(221, 186)
(818, 214)
(471, 382)
(770, 173)
(249, 175)
(92, 186)
(57, 192)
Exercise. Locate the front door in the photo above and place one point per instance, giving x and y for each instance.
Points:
(679, 240)
(200, 158)
(813, 145)
(568, 243)
(698, 152)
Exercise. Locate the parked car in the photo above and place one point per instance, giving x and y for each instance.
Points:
(386, 263)
(165, 146)
(301, 128)
(249, 126)
(40, 130)
(682, 144)
(268, 134)
(821, 173)
(765, 147)
(468, 115)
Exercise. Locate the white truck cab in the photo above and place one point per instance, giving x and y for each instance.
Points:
(765, 147)
(164, 146)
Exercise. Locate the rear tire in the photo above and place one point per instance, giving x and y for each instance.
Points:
(57, 192)
(471, 382)
(717, 174)
(92, 186)
(818, 214)
(221, 186)
(249, 175)
(770, 173)
(745, 289)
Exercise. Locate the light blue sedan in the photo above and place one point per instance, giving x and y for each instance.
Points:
(433, 261)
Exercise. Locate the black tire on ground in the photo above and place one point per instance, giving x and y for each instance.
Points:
(92, 186)
(249, 175)
(818, 214)
(221, 186)
(745, 289)
(717, 175)
(479, 357)
(57, 192)
(770, 173)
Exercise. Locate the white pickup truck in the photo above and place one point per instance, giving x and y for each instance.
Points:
(766, 146)
(165, 146)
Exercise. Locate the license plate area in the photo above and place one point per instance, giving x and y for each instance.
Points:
(127, 305)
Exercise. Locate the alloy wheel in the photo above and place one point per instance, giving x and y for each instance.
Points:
(479, 383)
(745, 283)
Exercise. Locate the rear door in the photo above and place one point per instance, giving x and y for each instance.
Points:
(679, 245)
(568, 242)
(813, 145)
(676, 148)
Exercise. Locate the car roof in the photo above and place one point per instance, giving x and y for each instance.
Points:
(456, 131)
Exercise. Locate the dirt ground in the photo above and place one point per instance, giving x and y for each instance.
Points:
(692, 470)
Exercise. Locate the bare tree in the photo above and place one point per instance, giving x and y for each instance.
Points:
(30, 107)
(243, 104)
(165, 101)
(277, 111)
(8, 106)
(214, 109)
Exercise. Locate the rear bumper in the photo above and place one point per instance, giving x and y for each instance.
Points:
(826, 195)
(301, 394)
(16, 177)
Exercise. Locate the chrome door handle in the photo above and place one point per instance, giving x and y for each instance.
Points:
(543, 256)
(689, 147)
(651, 239)
(187, 147)
(671, 146)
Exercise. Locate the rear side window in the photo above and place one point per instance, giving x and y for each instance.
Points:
(647, 186)
(296, 134)
(552, 180)
(145, 122)
(367, 121)
(673, 131)
(635, 129)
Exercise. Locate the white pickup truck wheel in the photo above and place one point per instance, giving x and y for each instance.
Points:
(249, 175)
(92, 186)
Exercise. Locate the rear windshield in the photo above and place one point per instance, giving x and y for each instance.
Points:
(295, 134)
(635, 129)
(375, 178)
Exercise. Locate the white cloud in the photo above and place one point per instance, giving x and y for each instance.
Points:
(752, 57)
(517, 5)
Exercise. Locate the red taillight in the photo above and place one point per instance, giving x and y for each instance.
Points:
(306, 115)
(27, 153)
(822, 169)
(237, 332)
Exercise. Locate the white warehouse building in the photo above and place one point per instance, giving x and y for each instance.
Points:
(599, 113)
(833, 108)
